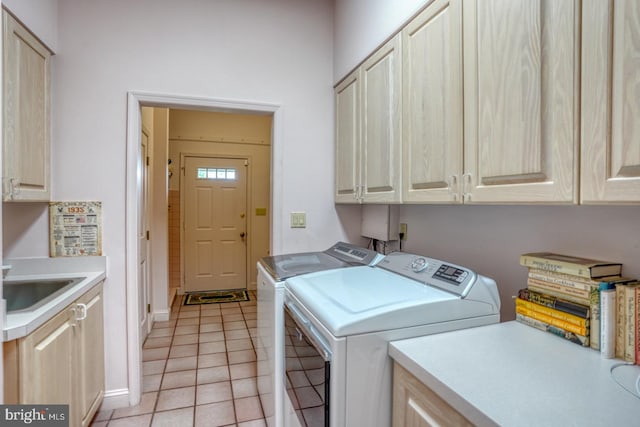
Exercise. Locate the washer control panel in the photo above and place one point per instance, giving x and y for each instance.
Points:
(432, 272)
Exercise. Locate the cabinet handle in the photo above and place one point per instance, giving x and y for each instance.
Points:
(81, 312)
(466, 179)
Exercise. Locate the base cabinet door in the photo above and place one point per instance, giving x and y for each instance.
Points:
(91, 354)
(48, 364)
(415, 405)
(610, 146)
(61, 362)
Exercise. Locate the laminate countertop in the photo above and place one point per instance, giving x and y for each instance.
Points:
(510, 374)
(92, 270)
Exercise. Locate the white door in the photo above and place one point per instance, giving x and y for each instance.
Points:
(143, 241)
(215, 203)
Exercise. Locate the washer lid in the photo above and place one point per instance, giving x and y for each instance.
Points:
(340, 255)
(366, 299)
(282, 267)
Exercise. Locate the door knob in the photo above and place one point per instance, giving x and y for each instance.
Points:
(242, 234)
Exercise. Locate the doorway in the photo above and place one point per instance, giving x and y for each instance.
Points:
(136, 100)
(215, 223)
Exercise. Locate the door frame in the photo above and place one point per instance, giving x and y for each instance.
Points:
(135, 100)
(248, 223)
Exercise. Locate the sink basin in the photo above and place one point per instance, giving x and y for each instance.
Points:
(27, 295)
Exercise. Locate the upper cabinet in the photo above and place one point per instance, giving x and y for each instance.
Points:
(347, 96)
(520, 101)
(610, 146)
(503, 102)
(25, 113)
(368, 133)
(432, 104)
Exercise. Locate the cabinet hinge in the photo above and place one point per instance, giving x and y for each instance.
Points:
(147, 234)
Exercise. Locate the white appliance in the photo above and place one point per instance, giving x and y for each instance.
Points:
(339, 323)
(272, 271)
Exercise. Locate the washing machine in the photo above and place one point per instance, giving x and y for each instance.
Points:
(272, 272)
(338, 325)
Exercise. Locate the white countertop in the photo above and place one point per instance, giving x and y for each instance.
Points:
(510, 374)
(93, 269)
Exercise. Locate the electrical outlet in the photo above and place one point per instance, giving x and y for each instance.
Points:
(403, 230)
(298, 219)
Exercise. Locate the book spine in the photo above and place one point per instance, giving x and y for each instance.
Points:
(637, 320)
(630, 324)
(562, 279)
(570, 336)
(620, 326)
(567, 290)
(608, 323)
(554, 302)
(552, 312)
(594, 305)
(559, 294)
(555, 266)
(580, 330)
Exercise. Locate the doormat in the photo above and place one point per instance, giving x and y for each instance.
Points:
(213, 297)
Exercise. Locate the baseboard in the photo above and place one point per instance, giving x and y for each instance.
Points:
(161, 315)
(115, 399)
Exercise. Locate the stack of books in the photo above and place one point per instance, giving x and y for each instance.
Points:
(563, 295)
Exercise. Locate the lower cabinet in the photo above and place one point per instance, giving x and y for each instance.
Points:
(415, 405)
(61, 362)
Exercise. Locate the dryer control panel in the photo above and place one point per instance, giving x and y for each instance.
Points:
(432, 272)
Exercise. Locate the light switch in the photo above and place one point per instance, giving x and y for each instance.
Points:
(298, 219)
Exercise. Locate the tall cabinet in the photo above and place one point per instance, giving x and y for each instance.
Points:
(432, 104)
(521, 79)
(25, 173)
(610, 146)
(368, 133)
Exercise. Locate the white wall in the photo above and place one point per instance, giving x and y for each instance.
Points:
(277, 52)
(362, 25)
(490, 239)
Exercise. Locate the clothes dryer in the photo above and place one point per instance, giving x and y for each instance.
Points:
(272, 272)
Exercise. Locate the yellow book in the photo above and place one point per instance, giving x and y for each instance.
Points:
(580, 330)
(556, 314)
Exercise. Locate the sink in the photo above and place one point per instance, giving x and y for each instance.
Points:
(28, 295)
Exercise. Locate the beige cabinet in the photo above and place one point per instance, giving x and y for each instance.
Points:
(432, 104)
(61, 362)
(610, 146)
(25, 174)
(507, 73)
(415, 405)
(520, 112)
(368, 134)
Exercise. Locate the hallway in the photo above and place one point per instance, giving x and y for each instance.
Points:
(199, 369)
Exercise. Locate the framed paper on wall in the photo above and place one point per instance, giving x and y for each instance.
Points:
(75, 229)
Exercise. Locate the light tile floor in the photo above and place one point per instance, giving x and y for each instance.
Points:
(199, 369)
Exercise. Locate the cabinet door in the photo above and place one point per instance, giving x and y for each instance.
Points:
(48, 368)
(91, 355)
(347, 95)
(610, 149)
(432, 104)
(520, 78)
(415, 405)
(380, 109)
(26, 114)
